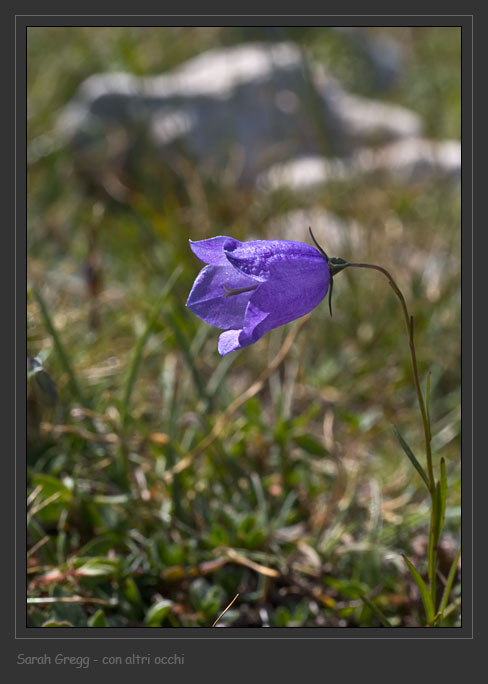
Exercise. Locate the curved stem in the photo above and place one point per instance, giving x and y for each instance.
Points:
(411, 343)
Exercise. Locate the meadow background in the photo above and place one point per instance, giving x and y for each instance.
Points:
(162, 479)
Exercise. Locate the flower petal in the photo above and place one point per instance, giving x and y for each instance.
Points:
(289, 294)
(209, 298)
(211, 251)
(265, 259)
(229, 342)
(285, 299)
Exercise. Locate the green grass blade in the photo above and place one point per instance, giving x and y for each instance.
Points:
(424, 592)
(437, 523)
(219, 374)
(449, 582)
(281, 519)
(62, 355)
(442, 497)
(202, 335)
(454, 605)
(430, 554)
(98, 619)
(434, 533)
(376, 611)
(171, 320)
(438, 514)
(141, 343)
(168, 391)
(411, 457)
(427, 397)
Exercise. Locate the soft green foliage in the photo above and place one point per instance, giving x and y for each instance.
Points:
(303, 501)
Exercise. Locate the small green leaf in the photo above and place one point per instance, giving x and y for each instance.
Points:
(97, 567)
(424, 592)
(98, 619)
(253, 410)
(205, 598)
(131, 592)
(282, 617)
(56, 623)
(218, 536)
(411, 457)
(449, 582)
(310, 445)
(156, 613)
(442, 496)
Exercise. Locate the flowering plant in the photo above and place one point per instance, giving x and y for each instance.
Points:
(249, 288)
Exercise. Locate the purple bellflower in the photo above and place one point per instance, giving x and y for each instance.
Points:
(249, 288)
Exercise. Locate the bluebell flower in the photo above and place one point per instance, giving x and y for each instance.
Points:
(249, 288)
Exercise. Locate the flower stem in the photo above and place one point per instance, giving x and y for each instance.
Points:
(411, 343)
(434, 496)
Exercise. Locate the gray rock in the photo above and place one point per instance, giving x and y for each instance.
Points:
(244, 108)
(412, 161)
(382, 52)
(409, 161)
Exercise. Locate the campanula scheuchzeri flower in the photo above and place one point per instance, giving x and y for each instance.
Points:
(249, 288)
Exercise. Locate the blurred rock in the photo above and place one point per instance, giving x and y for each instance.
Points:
(303, 173)
(382, 52)
(409, 161)
(233, 111)
(413, 161)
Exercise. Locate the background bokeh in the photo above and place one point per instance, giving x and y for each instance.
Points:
(301, 499)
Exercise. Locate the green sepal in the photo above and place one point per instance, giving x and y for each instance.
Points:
(336, 265)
